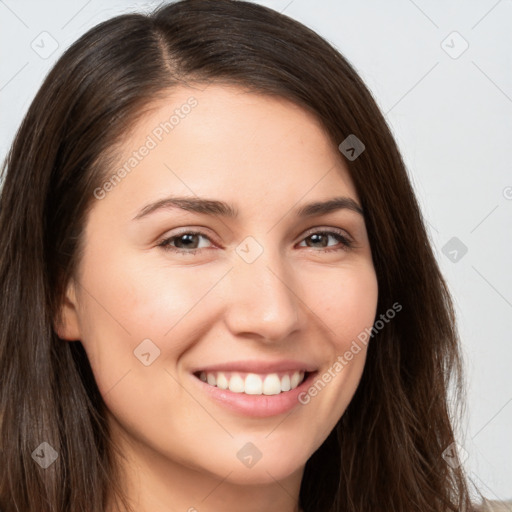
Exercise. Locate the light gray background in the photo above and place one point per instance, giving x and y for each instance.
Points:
(451, 113)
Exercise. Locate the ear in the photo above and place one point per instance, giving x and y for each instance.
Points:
(67, 325)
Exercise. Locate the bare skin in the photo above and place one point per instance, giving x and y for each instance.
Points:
(265, 157)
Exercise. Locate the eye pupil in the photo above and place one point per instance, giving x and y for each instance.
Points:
(187, 238)
(319, 235)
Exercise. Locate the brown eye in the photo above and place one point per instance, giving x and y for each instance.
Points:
(322, 238)
(185, 242)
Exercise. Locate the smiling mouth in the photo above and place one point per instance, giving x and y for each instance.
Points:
(254, 383)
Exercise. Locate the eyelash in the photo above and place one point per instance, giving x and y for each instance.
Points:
(346, 243)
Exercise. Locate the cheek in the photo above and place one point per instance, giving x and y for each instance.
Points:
(347, 307)
(145, 296)
(347, 302)
(170, 304)
(128, 302)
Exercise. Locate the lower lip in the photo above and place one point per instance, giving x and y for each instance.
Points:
(258, 406)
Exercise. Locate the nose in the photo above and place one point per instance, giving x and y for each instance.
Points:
(262, 302)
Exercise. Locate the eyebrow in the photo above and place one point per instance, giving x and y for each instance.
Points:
(223, 209)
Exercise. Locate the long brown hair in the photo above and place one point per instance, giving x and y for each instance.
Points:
(386, 452)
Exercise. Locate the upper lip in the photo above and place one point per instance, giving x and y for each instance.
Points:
(252, 366)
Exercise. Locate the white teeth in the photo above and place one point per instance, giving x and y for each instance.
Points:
(222, 382)
(271, 385)
(253, 384)
(285, 383)
(236, 384)
(296, 378)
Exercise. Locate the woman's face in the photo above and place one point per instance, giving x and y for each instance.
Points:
(255, 294)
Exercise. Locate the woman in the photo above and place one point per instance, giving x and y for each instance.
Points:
(256, 371)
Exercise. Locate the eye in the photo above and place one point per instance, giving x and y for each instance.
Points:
(188, 242)
(323, 236)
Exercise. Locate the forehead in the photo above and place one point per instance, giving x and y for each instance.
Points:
(227, 142)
